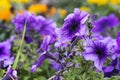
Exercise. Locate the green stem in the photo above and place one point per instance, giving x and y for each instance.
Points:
(20, 49)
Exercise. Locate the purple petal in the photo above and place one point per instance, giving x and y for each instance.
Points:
(90, 56)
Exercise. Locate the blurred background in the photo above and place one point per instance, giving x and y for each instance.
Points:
(55, 9)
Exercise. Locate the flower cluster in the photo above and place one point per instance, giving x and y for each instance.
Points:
(81, 37)
(34, 24)
(96, 47)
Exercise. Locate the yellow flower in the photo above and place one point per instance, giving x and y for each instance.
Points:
(38, 8)
(116, 2)
(5, 13)
(51, 11)
(21, 1)
(83, 8)
(103, 2)
(98, 2)
(62, 12)
(92, 1)
(5, 5)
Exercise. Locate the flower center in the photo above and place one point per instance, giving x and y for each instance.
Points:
(100, 49)
(74, 27)
(99, 52)
(1, 50)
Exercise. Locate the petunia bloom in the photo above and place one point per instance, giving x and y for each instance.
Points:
(73, 25)
(55, 65)
(105, 22)
(6, 62)
(5, 53)
(45, 55)
(118, 38)
(113, 69)
(116, 48)
(45, 26)
(46, 42)
(26, 18)
(5, 48)
(96, 51)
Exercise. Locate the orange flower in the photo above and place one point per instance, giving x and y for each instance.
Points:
(5, 13)
(38, 8)
(51, 11)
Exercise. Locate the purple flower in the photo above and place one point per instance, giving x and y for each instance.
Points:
(46, 27)
(46, 42)
(105, 22)
(5, 53)
(109, 71)
(26, 18)
(4, 63)
(41, 58)
(5, 50)
(28, 39)
(118, 38)
(57, 77)
(113, 69)
(116, 47)
(115, 50)
(55, 65)
(73, 25)
(10, 74)
(97, 51)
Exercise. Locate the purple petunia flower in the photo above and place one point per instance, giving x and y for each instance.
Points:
(26, 18)
(73, 25)
(118, 38)
(5, 48)
(109, 71)
(39, 62)
(10, 74)
(116, 47)
(5, 53)
(97, 51)
(41, 58)
(105, 22)
(57, 77)
(34, 24)
(113, 69)
(4, 63)
(46, 42)
(45, 26)
(55, 65)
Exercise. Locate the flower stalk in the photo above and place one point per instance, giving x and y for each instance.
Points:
(20, 49)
